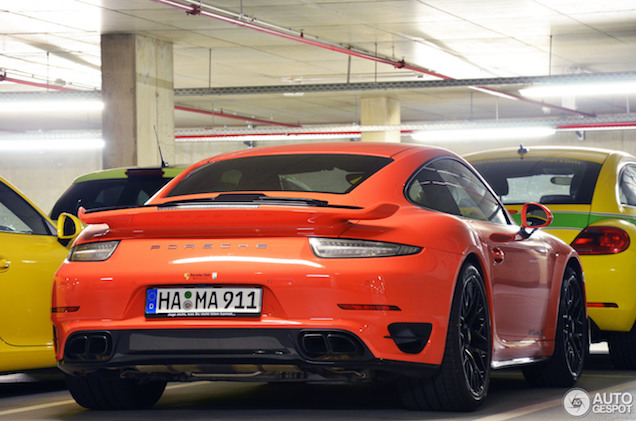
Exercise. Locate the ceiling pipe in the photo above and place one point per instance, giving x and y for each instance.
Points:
(197, 9)
(5, 78)
(234, 116)
(617, 125)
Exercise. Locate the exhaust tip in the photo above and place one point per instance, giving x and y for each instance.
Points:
(89, 346)
(330, 345)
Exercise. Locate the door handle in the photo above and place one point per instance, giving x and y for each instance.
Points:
(497, 255)
(4, 264)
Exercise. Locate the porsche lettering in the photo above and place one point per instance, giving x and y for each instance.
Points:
(208, 246)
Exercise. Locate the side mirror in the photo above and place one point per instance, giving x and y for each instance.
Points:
(535, 215)
(68, 226)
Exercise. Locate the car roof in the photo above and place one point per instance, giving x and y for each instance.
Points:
(584, 153)
(384, 149)
(117, 173)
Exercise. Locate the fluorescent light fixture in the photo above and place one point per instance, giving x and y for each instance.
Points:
(50, 106)
(485, 133)
(264, 137)
(580, 89)
(40, 144)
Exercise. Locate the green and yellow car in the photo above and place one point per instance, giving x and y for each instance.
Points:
(592, 195)
(31, 250)
(116, 187)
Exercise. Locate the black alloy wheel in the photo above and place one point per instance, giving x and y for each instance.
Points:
(474, 335)
(574, 330)
(571, 342)
(462, 382)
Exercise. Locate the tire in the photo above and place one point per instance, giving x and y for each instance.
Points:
(462, 382)
(571, 343)
(106, 390)
(622, 349)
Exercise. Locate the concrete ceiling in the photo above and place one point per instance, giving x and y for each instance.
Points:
(222, 67)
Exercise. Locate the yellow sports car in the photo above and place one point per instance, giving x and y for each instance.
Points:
(31, 250)
(592, 195)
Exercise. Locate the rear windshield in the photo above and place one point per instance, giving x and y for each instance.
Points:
(324, 173)
(132, 191)
(543, 180)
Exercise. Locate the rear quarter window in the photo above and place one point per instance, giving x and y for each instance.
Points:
(449, 186)
(627, 185)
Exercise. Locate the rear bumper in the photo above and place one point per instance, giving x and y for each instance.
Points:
(237, 354)
(611, 290)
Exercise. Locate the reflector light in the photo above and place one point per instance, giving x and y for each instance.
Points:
(380, 307)
(601, 240)
(67, 309)
(603, 305)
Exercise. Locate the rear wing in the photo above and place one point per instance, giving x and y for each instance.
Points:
(232, 219)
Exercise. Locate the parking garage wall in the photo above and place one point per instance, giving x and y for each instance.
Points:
(44, 176)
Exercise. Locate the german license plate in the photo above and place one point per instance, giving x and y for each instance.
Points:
(203, 302)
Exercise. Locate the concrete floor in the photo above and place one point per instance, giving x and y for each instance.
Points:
(24, 397)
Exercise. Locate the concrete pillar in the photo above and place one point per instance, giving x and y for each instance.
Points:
(380, 111)
(138, 94)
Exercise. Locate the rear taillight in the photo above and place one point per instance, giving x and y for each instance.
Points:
(346, 248)
(601, 240)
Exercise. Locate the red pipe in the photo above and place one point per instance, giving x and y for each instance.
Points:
(196, 10)
(4, 78)
(584, 126)
(236, 117)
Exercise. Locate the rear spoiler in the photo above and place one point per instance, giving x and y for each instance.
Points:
(232, 220)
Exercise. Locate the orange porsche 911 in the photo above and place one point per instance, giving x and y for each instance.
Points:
(337, 262)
